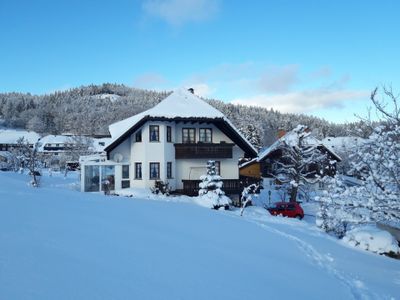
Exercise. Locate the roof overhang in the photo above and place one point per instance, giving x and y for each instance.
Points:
(221, 123)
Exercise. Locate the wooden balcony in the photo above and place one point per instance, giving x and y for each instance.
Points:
(203, 150)
(230, 187)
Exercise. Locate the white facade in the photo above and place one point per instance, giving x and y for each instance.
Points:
(131, 152)
(151, 159)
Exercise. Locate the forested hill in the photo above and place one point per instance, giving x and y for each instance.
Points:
(90, 109)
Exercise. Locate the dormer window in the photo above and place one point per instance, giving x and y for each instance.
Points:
(154, 131)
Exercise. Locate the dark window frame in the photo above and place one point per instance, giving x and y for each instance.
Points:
(183, 135)
(157, 164)
(169, 134)
(138, 136)
(157, 133)
(125, 184)
(137, 175)
(205, 135)
(123, 171)
(217, 167)
(169, 170)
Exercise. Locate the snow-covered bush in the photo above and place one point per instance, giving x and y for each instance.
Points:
(371, 238)
(160, 187)
(211, 188)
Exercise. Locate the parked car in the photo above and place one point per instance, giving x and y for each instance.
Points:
(287, 209)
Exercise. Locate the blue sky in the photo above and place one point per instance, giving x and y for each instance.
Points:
(316, 57)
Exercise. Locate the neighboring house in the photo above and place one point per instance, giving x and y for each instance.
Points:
(343, 144)
(9, 138)
(56, 144)
(265, 165)
(171, 142)
(59, 150)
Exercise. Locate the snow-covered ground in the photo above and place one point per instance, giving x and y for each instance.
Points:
(57, 243)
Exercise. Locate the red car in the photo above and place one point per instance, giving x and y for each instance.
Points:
(287, 209)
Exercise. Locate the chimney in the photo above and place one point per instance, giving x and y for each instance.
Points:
(281, 133)
(191, 90)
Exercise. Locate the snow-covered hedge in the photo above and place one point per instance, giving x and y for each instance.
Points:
(370, 238)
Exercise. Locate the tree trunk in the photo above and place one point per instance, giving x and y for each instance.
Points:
(293, 193)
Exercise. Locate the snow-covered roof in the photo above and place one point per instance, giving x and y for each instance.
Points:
(343, 143)
(99, 144)
(56, 139)
(180, 104)
(11, 136)
(291, 139)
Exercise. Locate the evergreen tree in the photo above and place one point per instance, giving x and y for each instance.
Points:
(251, 133)
(211, 188)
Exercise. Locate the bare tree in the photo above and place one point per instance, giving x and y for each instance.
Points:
(29, 158)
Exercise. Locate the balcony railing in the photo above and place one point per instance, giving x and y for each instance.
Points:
(230, 187)
(203, 150)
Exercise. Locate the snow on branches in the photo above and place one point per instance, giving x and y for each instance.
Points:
(211, 188)
(377, 161)
(301, 160)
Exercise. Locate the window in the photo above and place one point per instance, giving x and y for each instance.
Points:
(92, 179)
(188, 135)
(125, 183)
(154, 133)
(138, 170)
(107, 178)
(218, 168)
(138, 136)
(169, 134)
(169, 170)
(205, 135)
(154, 170)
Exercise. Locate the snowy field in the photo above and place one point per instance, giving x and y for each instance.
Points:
(57, 243)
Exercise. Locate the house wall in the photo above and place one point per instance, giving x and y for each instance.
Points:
(162, 152)
(124, 150)
(251, 170)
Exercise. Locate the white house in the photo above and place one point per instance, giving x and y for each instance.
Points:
(9, 138)
(171, 142)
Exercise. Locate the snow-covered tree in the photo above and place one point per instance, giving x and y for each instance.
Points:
(29, 157)
(377, 198)
(301, 160)
(211, 188)
(251, 133)
(247, 195)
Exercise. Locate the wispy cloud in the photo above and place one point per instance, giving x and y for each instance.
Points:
(304, 101)
(179, 12)
(278, 79)
(149, 81)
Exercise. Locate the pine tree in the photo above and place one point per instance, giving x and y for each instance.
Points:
(251, 133)
(211, 188)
